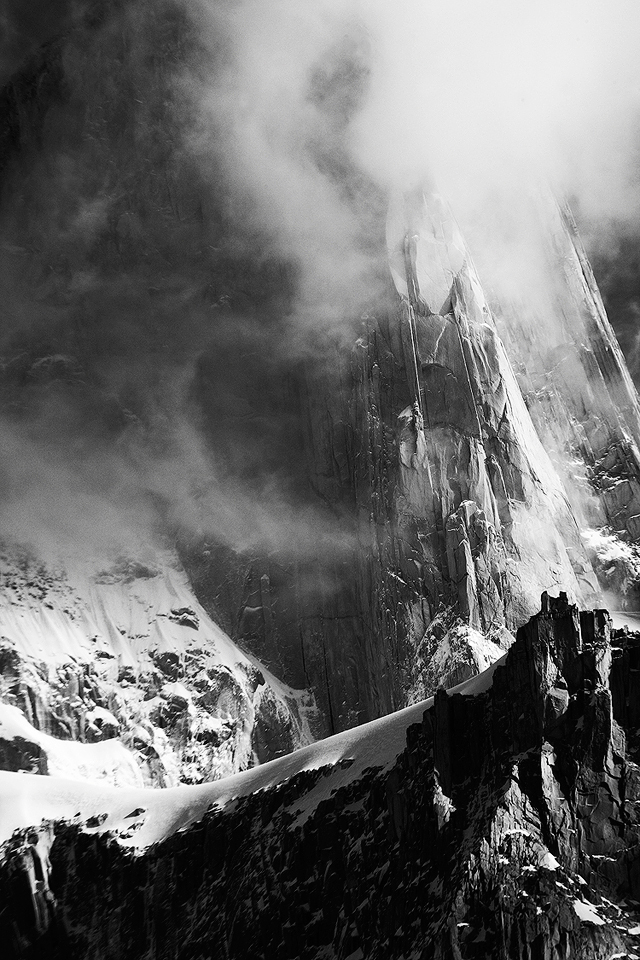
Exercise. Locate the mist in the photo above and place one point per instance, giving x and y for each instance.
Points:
(195, 219)
(485, 101)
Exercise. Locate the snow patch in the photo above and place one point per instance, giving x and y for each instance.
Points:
(549, 861)
(130, 649)
(457, 654)
(587, 914)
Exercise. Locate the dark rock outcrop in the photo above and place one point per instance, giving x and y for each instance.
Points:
(507, 828)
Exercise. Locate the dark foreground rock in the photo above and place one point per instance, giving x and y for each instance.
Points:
(508, 828)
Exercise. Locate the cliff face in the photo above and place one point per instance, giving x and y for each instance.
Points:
(442, 429)
(574, 378)
(505, 827)
(479, 515)
(461, 518)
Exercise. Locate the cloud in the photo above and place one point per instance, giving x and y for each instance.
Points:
(26, 26)
(480, 91)
(487, 100)
(275, 111)
(204, 217)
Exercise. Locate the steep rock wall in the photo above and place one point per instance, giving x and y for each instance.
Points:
(424, 442)
(573, 375)
(460, 513)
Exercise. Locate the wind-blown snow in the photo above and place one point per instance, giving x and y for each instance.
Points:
(107, 760)
(622, 619)
(27, 800)
(117, 613)
(115, 630)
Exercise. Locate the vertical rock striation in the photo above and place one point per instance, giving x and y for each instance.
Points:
(574, 376)
(461, 515)
(423, 442)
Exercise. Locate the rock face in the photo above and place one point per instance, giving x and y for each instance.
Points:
(459, 514)
(574, 377)
(506, 828)
(479, 518)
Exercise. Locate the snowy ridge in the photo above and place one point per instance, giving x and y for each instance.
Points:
(108, 760)
(28, 800)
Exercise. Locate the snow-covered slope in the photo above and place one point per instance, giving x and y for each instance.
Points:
(128, 655)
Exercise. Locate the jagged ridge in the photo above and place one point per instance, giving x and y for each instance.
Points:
(507, 828)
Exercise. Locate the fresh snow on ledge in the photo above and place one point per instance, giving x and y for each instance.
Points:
(26, 800)
(587, 913)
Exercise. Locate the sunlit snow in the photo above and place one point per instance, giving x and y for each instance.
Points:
(27, 800)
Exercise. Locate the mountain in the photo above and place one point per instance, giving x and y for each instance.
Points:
(286, 460)
(497, 819)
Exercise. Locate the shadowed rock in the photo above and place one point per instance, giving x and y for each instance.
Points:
(507, 829)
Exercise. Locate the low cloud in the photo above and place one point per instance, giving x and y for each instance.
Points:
(198, 221)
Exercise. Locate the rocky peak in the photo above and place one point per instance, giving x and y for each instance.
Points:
(478, 517)
(460, 516)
